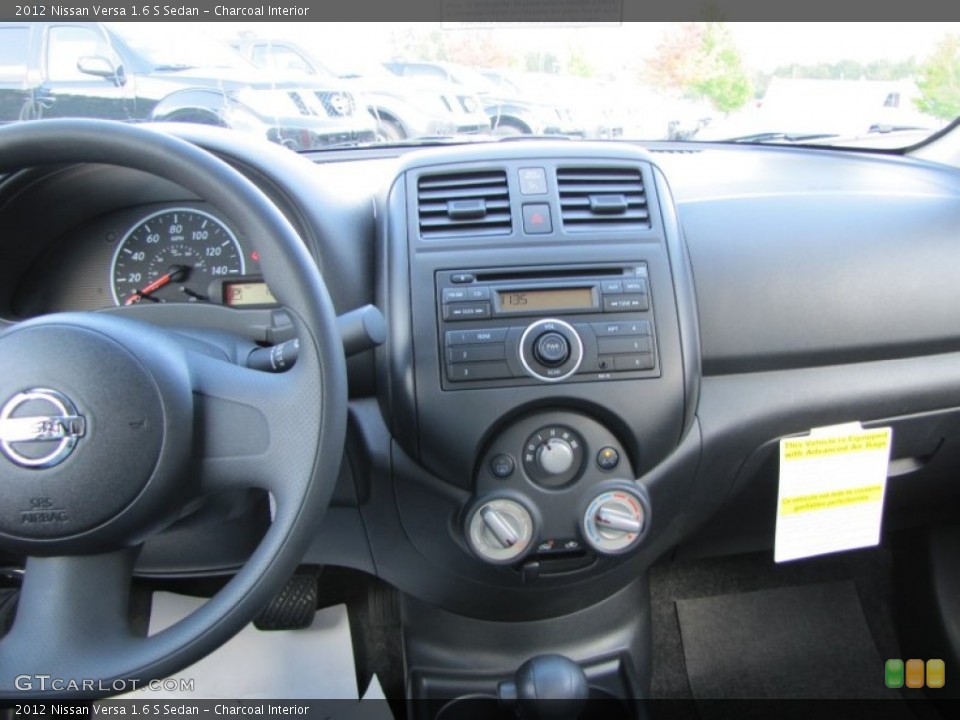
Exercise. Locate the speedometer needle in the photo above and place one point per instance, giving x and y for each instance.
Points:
(175, 273)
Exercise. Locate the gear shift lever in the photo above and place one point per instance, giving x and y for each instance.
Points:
(552, 678)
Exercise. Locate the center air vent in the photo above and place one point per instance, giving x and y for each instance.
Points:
(473, 203)
(602, 198)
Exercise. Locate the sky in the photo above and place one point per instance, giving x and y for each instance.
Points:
(763, 45)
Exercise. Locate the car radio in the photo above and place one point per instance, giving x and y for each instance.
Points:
(545, 325)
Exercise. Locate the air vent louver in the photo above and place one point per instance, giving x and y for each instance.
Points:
(471, 203)
(602, 198)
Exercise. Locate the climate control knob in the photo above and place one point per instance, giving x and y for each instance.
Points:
(614, 521)
(500, 531)
(555, 456)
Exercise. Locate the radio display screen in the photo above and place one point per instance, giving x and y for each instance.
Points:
(552, 299)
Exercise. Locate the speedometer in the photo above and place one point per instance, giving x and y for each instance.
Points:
(174, 255)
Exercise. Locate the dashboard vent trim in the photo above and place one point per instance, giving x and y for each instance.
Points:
(602, 198)
(464, 203)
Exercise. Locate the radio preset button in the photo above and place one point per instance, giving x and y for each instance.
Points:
(476, 353)
(476, 337)
(641, 361)
(625, 345)
(460, 372)
(552, 349)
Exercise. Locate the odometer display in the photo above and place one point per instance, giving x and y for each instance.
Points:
(173, 256)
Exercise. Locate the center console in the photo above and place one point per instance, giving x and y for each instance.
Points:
(538, 379)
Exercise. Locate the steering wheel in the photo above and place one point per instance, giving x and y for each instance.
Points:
(110, 426)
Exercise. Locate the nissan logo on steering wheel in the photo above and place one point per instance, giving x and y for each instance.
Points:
(39, 428)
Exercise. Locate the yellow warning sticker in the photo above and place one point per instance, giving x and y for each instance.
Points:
(831, 492)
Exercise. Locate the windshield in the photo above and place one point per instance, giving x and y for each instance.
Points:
(314, 85)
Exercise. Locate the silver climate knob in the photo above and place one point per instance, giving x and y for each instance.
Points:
(500, 531)
(555, 456)
(614, 521)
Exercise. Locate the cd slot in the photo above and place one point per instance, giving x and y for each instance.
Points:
(579, 272)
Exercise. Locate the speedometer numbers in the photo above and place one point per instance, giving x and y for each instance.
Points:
(176, 255)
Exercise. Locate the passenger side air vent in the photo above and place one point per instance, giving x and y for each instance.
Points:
(602, 198)
(471, 203)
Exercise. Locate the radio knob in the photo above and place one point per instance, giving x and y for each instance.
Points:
(552, 349)
(555, 456)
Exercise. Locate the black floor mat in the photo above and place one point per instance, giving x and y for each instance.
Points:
(808, 641)
(672, 580)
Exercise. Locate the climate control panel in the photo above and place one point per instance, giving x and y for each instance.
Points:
(555, 487)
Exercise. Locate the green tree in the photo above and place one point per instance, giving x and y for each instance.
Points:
(939, 80)
(541, 62)
(578, 64)
(411, 44)
(701, 60)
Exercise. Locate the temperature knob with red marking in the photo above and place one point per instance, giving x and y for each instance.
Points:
(615, 521)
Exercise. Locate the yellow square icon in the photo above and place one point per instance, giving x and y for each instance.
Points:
(936, 674)
(914, 674)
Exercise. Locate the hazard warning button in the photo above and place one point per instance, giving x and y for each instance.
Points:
(536, 219)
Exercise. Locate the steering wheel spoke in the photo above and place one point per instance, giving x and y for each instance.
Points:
(250, 425)
(72, 612)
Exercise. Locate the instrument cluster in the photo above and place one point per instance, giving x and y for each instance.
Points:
(160, 253)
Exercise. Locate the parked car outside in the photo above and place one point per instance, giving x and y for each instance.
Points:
(466, 105)
(400, 108)
(95, 70)
(511, 111)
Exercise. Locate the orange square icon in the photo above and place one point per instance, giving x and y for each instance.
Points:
(914, 674)
(935, 674)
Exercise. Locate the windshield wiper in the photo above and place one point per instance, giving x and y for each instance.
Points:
(786, 137)
(172, 67)
(540, 136)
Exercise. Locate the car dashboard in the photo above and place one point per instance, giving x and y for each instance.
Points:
(592, 349)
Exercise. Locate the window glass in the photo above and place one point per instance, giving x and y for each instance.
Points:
(14, 46)
(66, 45)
